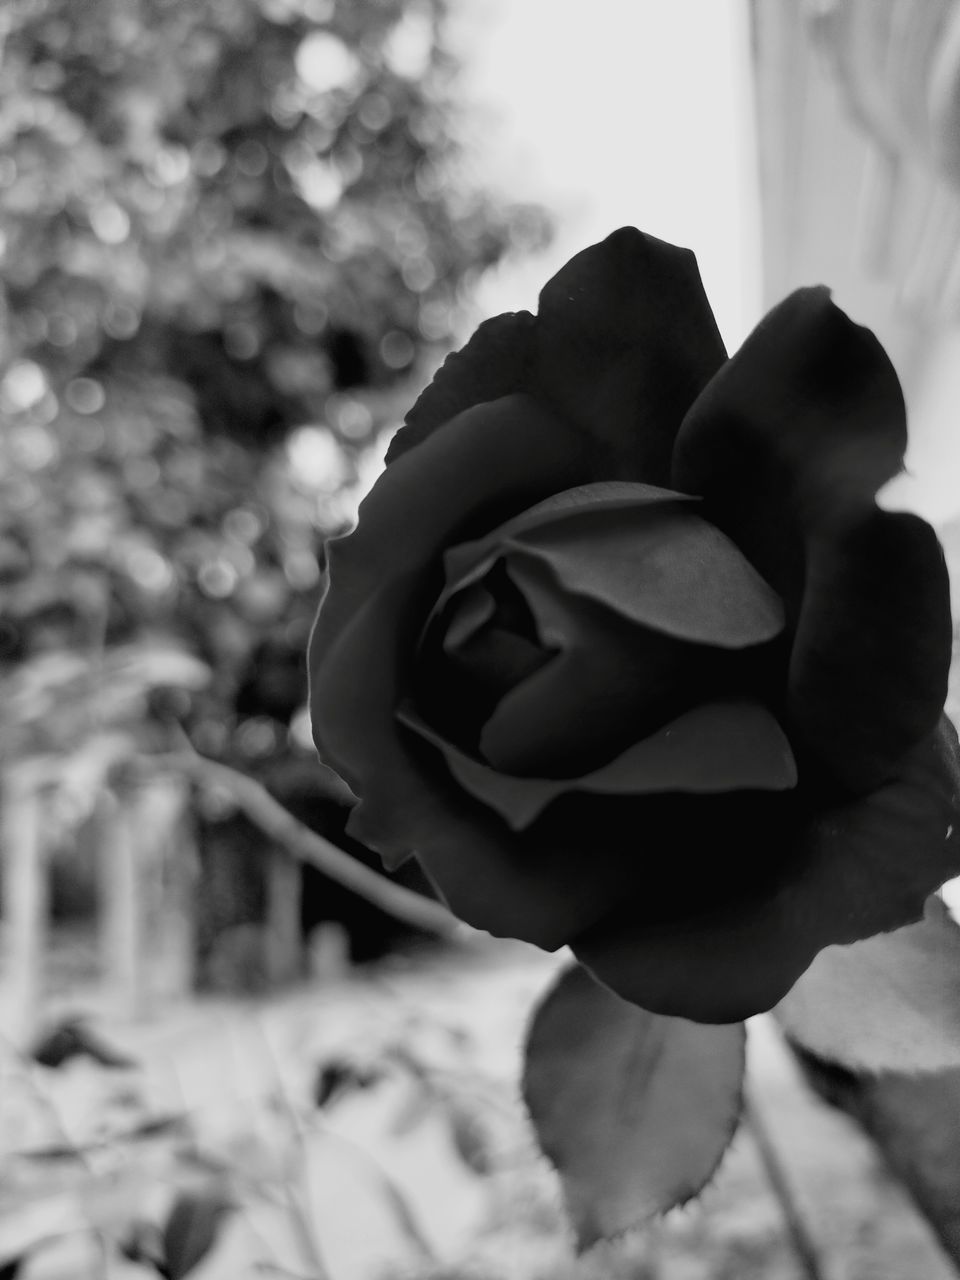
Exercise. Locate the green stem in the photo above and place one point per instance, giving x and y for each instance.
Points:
(306, 845)
(801, 1238)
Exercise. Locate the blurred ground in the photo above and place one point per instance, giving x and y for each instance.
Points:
(417, 1162)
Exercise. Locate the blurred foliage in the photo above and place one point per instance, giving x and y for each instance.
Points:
(234, 236)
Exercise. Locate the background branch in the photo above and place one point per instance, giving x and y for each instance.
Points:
(307, 846)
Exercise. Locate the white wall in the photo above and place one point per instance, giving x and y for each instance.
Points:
(618, 112)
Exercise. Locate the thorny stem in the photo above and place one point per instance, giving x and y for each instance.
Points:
(804, 1246)
(303, 843)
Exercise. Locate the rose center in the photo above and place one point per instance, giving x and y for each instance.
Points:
(586, 623)
(538, 682)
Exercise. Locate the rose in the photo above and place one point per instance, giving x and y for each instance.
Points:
(625, 651)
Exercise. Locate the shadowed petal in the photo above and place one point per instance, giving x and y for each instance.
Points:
(868, 674)
(609, 684)
(474, 608)
(503, 456)
(586, 855)
(541, 896)
(788, 446)
(863, 868)
(491, 365)
(623, 343)
(722, 746)
(803, 424)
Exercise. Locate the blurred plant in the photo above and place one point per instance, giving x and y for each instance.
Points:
(264, 1182)
(231, 234)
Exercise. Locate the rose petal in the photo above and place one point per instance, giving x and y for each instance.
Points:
(869, 669)
(601, 495)
(506, 455)
(586, 854)
(788, 446)
(803, 424)
(491, 365)
(496, 457)
(468, 853)
(614, 646)
(665, 568)
(467, 562)
(623, 343)
(475, 606)
(722, 746)
(498, 659)
(862, 868)
(609, 684)
(642, 551)
(457, 685)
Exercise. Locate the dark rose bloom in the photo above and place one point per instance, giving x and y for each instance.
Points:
(624, 650)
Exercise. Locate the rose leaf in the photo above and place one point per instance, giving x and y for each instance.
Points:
(889, 1003)
(634, 1109)
(910, 1121)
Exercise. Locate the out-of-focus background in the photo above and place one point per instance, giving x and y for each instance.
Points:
(236, 238)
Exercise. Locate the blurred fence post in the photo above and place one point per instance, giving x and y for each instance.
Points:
(168, 804)
(147, 874)
(120, 901)
(26, 897)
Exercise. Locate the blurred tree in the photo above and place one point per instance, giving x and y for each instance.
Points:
(233, 235)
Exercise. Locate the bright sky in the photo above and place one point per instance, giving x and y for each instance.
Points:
(612, 112)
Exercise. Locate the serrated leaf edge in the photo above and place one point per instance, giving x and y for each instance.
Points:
(586, 1242)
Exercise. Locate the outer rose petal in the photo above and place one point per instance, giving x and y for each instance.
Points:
(788, 445)
(623, 343)
(497, 458)
(863, 868)
(803, 424)
(491, 365)
(868, 673)
(578, 862)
